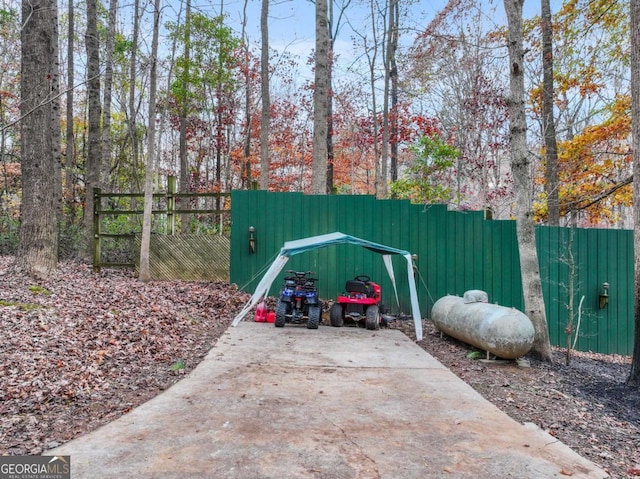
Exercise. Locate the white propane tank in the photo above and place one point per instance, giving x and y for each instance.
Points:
(505, 332)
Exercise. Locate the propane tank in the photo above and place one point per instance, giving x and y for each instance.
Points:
(505, 332)
(261, 313)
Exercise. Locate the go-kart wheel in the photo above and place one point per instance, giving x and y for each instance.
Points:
(281, 311)
(373, 317)
(335, 315)
(314, 317)
(362, 277)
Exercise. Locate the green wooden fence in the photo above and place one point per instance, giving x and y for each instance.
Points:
(456, 251)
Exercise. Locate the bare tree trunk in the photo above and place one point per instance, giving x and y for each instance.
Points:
(548, 122)
(94, 148)
(320, 96)
(372, 54)
(184, 111)
(330, 153)
(393, 76)
(70, 150)
(389, 145)
(145, 272)
(520, 164)
(220, 130)
(108, 82)
(333, 29)
(246, 166)
(266, 99)
(54, 126)
(381, 190)
(634, 375)
(39, 139)
(162, 112)
(372, 58)
(133, 113)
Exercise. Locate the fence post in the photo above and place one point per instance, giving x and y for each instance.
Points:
(97, 207)
(171, 205)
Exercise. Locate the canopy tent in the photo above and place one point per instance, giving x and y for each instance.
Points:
(291, 248)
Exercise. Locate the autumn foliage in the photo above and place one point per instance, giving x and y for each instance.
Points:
(453, 83)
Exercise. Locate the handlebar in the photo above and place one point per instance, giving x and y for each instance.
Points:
(300, 274)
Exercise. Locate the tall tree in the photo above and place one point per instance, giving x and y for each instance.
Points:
(389, 151)
(70, 152)
(388, 50)
(108, 84)
(520, 166)
(634, 376)
(334, 24)
(40, 140)
(183, 102)
(224, 86)
(266, 99)
(245, 175)
(145, 271)
(392, 72)
(548, 122)
(320, 104)
(94, 145)
(371, 50)
(133, 110)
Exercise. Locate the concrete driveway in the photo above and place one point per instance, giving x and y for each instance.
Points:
(334, 403)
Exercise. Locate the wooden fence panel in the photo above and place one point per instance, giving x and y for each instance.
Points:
(188, 257)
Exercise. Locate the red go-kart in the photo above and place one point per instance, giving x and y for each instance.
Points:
(359, 304)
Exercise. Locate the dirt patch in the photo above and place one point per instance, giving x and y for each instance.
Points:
(82, 349)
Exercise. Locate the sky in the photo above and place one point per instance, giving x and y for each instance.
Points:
(292, 22)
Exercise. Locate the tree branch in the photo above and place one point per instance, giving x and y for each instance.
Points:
(48, 100)
(601, 196)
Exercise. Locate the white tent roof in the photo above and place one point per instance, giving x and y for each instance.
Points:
(291, 248)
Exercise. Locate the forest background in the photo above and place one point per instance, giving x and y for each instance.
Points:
(433, 109)
(423, 118)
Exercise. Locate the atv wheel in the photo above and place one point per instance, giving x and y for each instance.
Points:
(373, 317)
(314, 317)
(337, 320)
(281, 311)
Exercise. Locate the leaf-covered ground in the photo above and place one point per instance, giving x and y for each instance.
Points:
(83, 348)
